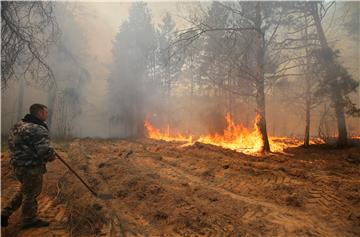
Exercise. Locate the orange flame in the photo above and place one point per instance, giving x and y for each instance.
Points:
(167, 135)
(234, 136)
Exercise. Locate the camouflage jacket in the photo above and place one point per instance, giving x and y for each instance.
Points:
(29, 145)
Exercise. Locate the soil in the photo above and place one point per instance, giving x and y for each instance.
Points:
(166, 189)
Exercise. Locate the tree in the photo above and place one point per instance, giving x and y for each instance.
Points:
(337, 82)
(352, 24)
(67, 57)
(169, 64)
(304, 88)
(256, 24)
(352, 27)
(220, 49)
(27, 31)
(309, 42)
(67, 109)
(132, 49)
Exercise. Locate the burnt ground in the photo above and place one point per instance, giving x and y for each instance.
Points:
(163, 189)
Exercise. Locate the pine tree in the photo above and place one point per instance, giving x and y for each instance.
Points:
(132, 48)
(337, 83)
(169, 63)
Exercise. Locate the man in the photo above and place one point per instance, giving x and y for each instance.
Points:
(30, 150)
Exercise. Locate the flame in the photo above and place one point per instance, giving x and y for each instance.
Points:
(167, 135)
(235, 137)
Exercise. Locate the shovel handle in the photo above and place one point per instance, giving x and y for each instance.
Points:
(73, 171)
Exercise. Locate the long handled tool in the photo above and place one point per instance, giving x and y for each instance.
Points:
(102, 196)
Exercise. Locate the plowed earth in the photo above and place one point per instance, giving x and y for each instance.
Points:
(165, 189)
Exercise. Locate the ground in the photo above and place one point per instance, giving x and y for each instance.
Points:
(165, 189)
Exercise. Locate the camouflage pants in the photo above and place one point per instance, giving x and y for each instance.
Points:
(31, 179)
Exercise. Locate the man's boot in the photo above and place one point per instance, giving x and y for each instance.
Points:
(35, 224)
(4, 221)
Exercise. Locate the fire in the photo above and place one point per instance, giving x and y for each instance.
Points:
(166, 135)
(235, 137)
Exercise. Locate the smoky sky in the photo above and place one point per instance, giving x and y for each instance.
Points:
(101, 21)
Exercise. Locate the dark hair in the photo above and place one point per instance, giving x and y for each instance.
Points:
(36, 108)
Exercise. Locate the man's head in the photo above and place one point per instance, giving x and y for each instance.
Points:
(40, 111)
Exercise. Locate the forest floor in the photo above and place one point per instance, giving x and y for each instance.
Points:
(165, 189)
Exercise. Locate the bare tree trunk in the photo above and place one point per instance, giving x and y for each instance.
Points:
(140, 131)
(51, 105)
(340, 117)
(60, 116)
(138, 117)
(336, 96)
(260, 82)
(191, 79)
(168, 82)
(20, 104)
(168, 76)
(307, 125)
(230, 95)
(307, 89)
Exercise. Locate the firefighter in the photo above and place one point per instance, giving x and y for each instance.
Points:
(30, 150)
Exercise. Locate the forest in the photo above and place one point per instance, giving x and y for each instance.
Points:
(209, 118)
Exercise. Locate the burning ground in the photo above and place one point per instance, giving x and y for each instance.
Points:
(235, 136)
(167, 189)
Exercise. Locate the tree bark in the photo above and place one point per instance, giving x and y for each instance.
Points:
(307, 125)
(51, 105)
(260, 82)
(307, 89)
(230, 101)
(336, 97)
(20, 104)
(340, 117)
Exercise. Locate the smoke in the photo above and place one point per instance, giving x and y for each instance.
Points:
(93, 88)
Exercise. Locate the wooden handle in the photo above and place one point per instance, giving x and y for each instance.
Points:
(73, 171)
